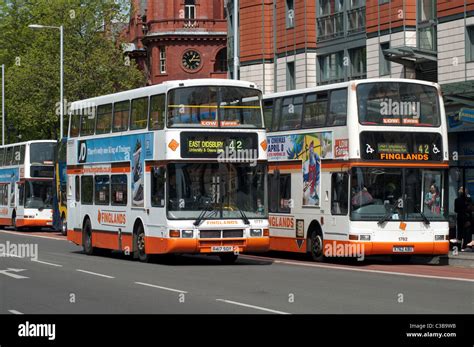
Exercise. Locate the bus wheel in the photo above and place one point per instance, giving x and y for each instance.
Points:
(63, 225)
(228, 258)
(140, 246)
(316, 242)
(87, 238)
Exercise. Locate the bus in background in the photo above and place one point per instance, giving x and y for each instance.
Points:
(178, 167)
(60, 181)
(26, 184)
(358, 168)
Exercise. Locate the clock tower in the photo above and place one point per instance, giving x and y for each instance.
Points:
(178, 39)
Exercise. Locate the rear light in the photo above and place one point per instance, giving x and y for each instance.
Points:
(266, 232)
(353, 237)
(174, 233)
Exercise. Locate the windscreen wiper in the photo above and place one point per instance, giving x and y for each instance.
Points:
(426, 221)
(388, 215)
(244, 216)
(202, 215)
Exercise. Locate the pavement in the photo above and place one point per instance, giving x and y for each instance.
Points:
(63, 280)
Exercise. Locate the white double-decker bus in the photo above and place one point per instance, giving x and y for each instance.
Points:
(178, 167)
(26, 184)
(358, 168)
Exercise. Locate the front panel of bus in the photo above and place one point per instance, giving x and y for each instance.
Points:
(398, 186)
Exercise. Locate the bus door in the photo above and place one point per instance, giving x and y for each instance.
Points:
(339, 201)
(20, 191)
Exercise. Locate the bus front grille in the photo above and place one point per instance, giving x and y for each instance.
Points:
(219, 234)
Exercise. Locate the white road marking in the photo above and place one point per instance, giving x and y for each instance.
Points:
(276, 261)
(15, 312)
(46, 263)
(251, 306)
(94, 273)
(31, 235)
(8, 273)
(160, 287)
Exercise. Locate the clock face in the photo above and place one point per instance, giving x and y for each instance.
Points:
(191, 60)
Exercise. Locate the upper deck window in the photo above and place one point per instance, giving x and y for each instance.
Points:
(206, 106)
(398, 103)
(42, 153)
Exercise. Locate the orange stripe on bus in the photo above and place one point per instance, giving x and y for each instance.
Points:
(5, 221)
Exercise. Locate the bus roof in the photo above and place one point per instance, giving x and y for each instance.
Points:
(26, 143)
(347, 84)
(160, 88)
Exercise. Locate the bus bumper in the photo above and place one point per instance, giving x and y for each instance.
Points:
(34, 223)
(155, 245)
(385, 248)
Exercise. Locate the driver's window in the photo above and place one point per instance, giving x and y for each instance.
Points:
(339, 193)
(158, 186)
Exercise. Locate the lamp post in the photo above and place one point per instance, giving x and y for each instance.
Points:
(61, 38)
(3, 104)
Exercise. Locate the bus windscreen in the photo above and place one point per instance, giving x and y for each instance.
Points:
(398, 104)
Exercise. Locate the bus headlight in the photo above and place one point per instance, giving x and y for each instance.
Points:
(364, 237)
(256, 232)
(439, 237)
(187, 234)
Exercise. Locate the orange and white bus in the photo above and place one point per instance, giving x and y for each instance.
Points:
(178, 167)
(358, 168)
(26, 184)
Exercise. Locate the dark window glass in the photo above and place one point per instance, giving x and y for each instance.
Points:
(87, 190)
(291, 113)
(119, 190)
(121, 114)
(21, 194)
(268, 113)
(9, 156)
(139, 115)
(158, 186)
(338, 108)
(102, 190)
(87, 124)
(339, 193)
(78, 188)
(280, 193)
(277, 114)
(104, 119)
(75, 125)
(2, 156)
(157, 112)
(42, 153)
(315, 110)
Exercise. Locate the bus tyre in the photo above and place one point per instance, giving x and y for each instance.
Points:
(87, 238)
(316, 243)
(63, 225)
(140, 246)
(228, 258)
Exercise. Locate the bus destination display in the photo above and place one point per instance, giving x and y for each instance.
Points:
(213, 145)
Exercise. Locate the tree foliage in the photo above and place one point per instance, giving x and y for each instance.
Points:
(94, 63)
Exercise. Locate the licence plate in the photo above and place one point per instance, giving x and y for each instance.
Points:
(222, 248)
(403, 249)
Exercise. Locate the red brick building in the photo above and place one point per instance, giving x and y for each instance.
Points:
(178, 39)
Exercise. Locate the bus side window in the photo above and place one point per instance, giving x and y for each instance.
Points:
(315, 110)
(157, 111)
(291, 113)
(276, 115)
(121, 115)
(119, 190)
(102, 190)
(279, 191)
(87, 190)
(77, 183)
(268, 113)
(87, 124)
(2, 155)
(339, 193)
(337, 108)
(22, 154)
(139, 115)
(158, 186)
(75, 125)
(8, 156)
(104, 119)
(3, 201)
(21, 194)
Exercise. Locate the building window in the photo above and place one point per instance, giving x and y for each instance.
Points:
(290, 14)
(358, 62)
(290, 76)
(332, 67)
(381, 2)
(221, 61)
(470, 44)
(384, 64)
(324, 7)
(162, 60)
(426, 24)
(189, 9)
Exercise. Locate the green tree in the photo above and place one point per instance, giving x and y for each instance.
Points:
(94, 63)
